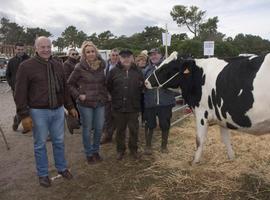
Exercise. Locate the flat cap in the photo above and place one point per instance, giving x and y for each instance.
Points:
(154, 50)
(125, 52)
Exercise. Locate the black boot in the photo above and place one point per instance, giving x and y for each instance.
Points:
(164, 142)
(148, 141)
(16, 123)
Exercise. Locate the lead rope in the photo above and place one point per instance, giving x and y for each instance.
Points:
(158, 96)
(160, 85)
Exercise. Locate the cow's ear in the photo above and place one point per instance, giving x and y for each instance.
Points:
(187, 66)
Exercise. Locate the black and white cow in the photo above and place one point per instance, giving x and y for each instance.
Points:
(233, 93)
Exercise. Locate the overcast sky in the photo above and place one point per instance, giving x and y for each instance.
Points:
(126, 17)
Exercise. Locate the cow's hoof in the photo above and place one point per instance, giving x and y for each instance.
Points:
(231, 159)
(194, 163)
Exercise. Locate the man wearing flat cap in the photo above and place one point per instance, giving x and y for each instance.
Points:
(125, 84)
(157, 102)
(154, 51)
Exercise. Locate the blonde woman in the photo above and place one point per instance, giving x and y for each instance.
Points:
(87, 84)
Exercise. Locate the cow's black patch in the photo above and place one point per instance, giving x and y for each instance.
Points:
(191, 83)
(164, 73)
(202, 122)
(203, 79)
(206, 114)
(223, 112)
(214, 99)
(210, 102)
(230, 126)
(234, 85)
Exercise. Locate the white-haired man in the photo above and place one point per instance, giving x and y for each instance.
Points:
(40, 94)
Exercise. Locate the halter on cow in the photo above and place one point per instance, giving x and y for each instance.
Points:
(232, 93)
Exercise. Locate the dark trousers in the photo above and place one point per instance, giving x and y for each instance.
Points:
(164, 114)
(108, 128)
(17, 119)
(122, 121)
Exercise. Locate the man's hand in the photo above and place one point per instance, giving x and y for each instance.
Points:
(27, 123)
(73, 112)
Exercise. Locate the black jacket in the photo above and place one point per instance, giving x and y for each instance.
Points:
(12, 69)
(69, 66)
(125, 87)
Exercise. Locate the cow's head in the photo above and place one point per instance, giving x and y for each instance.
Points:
(170, 71)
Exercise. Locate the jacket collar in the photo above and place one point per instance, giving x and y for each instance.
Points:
(73, 60)
(42, 60)
(85, 65)
(119, 65)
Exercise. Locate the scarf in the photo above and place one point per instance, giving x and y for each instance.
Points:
(53, 82)
(94, 65)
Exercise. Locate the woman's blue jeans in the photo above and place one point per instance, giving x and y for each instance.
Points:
(48, 122)
(92, 125)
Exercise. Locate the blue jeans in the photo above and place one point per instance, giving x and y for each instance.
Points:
(48, 122)
(91, 118)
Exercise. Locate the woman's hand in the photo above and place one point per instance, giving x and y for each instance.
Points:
(82, 97)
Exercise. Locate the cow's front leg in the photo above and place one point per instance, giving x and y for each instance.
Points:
(225, 135)
(202, 128)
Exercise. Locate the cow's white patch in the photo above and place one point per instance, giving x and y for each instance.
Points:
(260, 112)
(172, 57)
(240, 92)
(252, 57)
(211, 68)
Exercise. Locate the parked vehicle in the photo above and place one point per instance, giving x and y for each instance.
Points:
(3, 68)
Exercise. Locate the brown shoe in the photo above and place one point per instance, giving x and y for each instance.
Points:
(120, 155)
(44, 181)
(97, 157)
(25, 131)
(91, 160)
(66, 174)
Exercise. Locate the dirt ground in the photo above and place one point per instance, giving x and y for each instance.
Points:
(157, 177)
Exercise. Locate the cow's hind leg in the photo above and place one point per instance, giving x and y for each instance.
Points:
(200, 140)
(225, 135)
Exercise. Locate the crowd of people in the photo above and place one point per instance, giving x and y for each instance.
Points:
(100, 97)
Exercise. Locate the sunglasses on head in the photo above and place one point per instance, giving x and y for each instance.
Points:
(74, 54)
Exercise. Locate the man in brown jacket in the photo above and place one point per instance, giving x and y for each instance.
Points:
(125, 84)
(40, 94)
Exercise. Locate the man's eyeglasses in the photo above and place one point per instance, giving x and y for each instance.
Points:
(74, 54)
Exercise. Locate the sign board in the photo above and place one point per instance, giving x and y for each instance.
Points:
(208, 48)
(169, 36)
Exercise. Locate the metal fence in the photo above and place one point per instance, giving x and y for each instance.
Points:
(180, 108)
